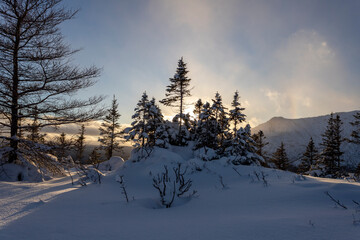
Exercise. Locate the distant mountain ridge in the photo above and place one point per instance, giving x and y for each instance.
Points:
(295, 133)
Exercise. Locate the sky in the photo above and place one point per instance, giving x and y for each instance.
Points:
(286, 58)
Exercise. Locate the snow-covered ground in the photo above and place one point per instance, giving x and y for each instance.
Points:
(241, 207)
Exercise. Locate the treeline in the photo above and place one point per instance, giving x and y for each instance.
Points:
(324, 160)
(38, 86)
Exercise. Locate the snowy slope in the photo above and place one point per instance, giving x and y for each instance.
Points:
(296, 133)
(289, 207)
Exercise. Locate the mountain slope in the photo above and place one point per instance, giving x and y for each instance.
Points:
(295, 133)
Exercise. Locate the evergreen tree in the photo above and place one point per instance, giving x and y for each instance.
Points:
(137, 131)
(206, 129)
(197, 110)
(177, 91)
(155, 121)
(355, 135)
(329, 163)
(221, 121)
(94, 157)
(187, 128)
(242, 148)
(110, 130)
(62, 146)
(280, 159)
(260, 143)
(236, 115)
(79, 144)
(309, 157)
(34, 130)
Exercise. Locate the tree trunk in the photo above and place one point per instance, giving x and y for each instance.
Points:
(181, 111)
(14, 101)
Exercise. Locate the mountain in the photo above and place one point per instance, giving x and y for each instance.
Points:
(295, 133)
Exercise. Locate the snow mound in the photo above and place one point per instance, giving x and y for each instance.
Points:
(112, 164)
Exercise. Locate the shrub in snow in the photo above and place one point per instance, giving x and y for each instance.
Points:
(170, 187)
(88, 175)
(120, 179)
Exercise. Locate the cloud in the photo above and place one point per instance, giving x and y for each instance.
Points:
(307, 78)
(267, 51)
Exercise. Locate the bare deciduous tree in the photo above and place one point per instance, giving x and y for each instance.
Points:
(35, 70)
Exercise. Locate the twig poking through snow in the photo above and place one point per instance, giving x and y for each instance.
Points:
(237, 171)
(120, 179)
(335, 201)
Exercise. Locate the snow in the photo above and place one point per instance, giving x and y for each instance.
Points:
(289, 206)
(114, 163)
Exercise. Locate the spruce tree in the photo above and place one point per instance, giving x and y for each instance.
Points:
(355, 134)
(207, 129)
(79, 144)
(176, 93)
(309, 157)
(62, 146)
(260, 143)
(197, 109)
(331, 153)
(34, 130)
(110, 130)
(236, 115)
(94, 157)
(137, 131)
(154, 123)
(280, 159)
(221, 120)
(242, 148)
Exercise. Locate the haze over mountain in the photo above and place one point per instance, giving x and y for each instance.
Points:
(296, 133)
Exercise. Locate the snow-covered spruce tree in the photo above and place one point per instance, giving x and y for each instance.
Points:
(221, 127)
(176, 93)
(154, 125)
(309, 157)
(137, 131)
(147, 129)
(187, 127)
(36, 72)
(355, 134)
(79, 144)
(206, 133)
(236, 115)
(280, 159)
(110, 130)
(260, 142)
(330, 160)
(242, 149)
